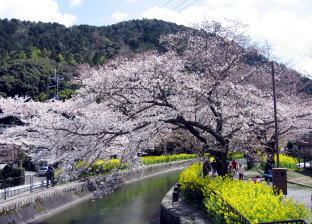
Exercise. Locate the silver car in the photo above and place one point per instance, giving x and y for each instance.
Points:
(42, 171)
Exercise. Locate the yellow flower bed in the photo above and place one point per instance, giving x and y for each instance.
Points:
(287, 161)
(148, 160)
(105, 166)
(101, 166)
(256, 202)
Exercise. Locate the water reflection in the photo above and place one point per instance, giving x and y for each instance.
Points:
(135, 203)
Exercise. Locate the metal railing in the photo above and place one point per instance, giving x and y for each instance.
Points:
(9, 192)
(299, 221)
(241, 218)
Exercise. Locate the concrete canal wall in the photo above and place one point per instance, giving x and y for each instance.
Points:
(40, 205)
(179, 212)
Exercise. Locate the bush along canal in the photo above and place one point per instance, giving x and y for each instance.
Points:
(137, 203)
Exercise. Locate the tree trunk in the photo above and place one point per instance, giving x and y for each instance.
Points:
(206, 168)
(270, 150)
(221, 164)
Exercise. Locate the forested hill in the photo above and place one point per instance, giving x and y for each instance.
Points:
(29, 51)
(79, 44)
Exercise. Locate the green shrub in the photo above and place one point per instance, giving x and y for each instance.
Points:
(11, 176)
(236, 155)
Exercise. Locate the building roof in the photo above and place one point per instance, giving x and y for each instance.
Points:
(304, 143)
(10, 120)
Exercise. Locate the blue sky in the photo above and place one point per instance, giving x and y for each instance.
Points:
(284, 24)
(101, 12)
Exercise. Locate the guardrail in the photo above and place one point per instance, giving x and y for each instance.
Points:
(22, 189)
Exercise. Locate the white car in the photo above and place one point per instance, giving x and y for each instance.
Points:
(42, 171)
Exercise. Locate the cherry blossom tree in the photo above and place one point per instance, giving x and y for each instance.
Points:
(65, 131)
(294, 110)
(210, 85)
(170, 90)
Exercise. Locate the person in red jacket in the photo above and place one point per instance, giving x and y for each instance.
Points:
(234, 165)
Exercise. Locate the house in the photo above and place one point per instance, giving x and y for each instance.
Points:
(304, 148)
(9, 121)
(9, 153)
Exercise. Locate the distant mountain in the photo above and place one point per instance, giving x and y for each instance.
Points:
(30, 51)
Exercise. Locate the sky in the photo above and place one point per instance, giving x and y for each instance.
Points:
(286, 25)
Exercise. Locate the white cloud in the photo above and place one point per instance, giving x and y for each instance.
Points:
(35, 10)
(285, 24)
(133, 1)
(75, 3)
(119, 16)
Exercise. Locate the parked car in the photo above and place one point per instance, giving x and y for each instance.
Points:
(42, 171)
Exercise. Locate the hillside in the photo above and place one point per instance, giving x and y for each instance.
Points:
(79, 44)
(31, 52)
(28, 48)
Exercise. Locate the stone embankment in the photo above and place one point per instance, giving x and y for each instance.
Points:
(40, 205)
(179, 212)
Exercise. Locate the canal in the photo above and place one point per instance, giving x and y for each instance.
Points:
(134, 203)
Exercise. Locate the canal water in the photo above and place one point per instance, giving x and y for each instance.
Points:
(134, 203)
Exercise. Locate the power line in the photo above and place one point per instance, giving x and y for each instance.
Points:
(188, 5)
(167, 3)
(180, 4)
(296, 61)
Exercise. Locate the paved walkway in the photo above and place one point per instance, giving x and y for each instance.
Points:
(179, 212)
(302, 177)
(300, 194)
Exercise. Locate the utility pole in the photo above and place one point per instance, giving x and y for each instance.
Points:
(57, 80)
(275, 117)
(279, 175)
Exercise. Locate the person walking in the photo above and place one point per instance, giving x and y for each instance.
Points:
(241, 172)
(50, 176)
(214, 166)
(231, 171)
(234, 164)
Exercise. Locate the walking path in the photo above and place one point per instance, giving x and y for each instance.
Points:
(302, 178)
(301, 194)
